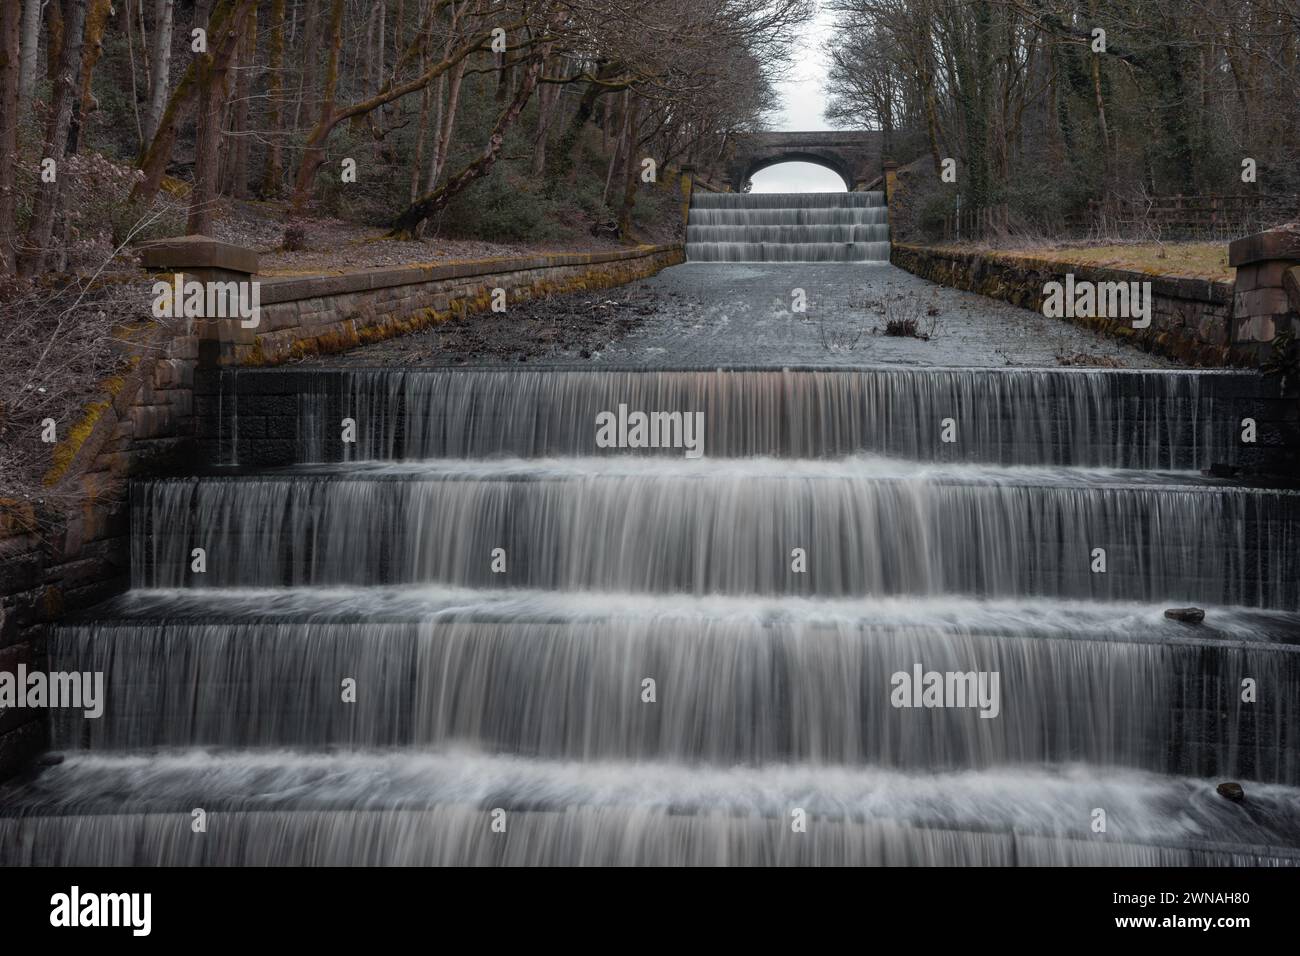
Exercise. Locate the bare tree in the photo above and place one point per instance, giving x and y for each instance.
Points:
(213, 89)
(273, 174)
(41, 226)
(223, 32)
(160, 67)
(10, 52)
(406, 224)
(30, 49)
(234, 176)
(91, 50)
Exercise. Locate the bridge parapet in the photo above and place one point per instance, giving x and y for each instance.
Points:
(854, 155)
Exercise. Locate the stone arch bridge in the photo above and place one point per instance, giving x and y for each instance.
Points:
(854, 155)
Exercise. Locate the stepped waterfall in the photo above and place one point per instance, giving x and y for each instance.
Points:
(640, 657)
(788, 227)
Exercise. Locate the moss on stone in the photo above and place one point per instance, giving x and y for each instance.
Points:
(66, 450)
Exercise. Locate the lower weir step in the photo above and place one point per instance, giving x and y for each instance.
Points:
(278, 808)
(736, 680)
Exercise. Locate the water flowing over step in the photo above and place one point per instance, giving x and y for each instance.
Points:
(1084, 417)
(788, 227)
(519, 687)
(752, 682)
(277, 808)
(867, 526)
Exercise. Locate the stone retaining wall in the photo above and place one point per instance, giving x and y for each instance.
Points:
(335, 313)
(1191, 319)
(144, 421)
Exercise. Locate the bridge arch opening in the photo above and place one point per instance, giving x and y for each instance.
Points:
(797, 176)
(778, 158)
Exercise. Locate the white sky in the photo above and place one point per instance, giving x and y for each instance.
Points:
(803, 94)
(803, 97)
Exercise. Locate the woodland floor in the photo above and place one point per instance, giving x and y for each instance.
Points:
(332, 246)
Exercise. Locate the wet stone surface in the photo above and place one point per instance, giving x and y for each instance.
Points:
(740, 314)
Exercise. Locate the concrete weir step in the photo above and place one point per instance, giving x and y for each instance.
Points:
(788, 227)
(867, 526)
(1081, 417)
(739, 680)
(406, 808)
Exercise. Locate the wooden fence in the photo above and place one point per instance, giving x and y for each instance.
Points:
(1155, 217)
(1187, 216)
(979, 223)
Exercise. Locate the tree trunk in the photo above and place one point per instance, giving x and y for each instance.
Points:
(549, 102)
(92, 50)
(369, 52)
(223, 38)
(273, 173)
(630, 176)
(135, 93)
(10, 83)
(160, 76)
(41, 226)
(235, 176)
(421, 139)
(446, 128)
(1103, 129)
(207, 151)
(426, 107)
(405, 225)
(29, 45)
(380, 36)
(398, 35)
(310, 43)
(620, 145)
(54, 41)
(567, 146)
(315, 153)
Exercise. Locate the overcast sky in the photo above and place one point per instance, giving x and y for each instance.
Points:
(803, 97)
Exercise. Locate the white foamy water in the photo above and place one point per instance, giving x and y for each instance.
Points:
(402, 808)
(646, 659)
(788, 227)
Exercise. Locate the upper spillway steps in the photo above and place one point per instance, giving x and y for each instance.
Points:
(787, 227)
(1182, 420)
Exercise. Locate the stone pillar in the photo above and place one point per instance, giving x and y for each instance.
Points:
(1266, 299)
(891, 180)
(687, 183)
(207, 261)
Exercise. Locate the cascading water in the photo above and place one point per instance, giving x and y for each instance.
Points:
(498, 588)
(1153, 420)
(788, 227)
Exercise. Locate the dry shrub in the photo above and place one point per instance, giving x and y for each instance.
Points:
(59, 345)
(906, 314)
(97, 216)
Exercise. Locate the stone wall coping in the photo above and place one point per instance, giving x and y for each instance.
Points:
(198, 252)
(276, 290)
(1214, 291)
(1280, 243)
